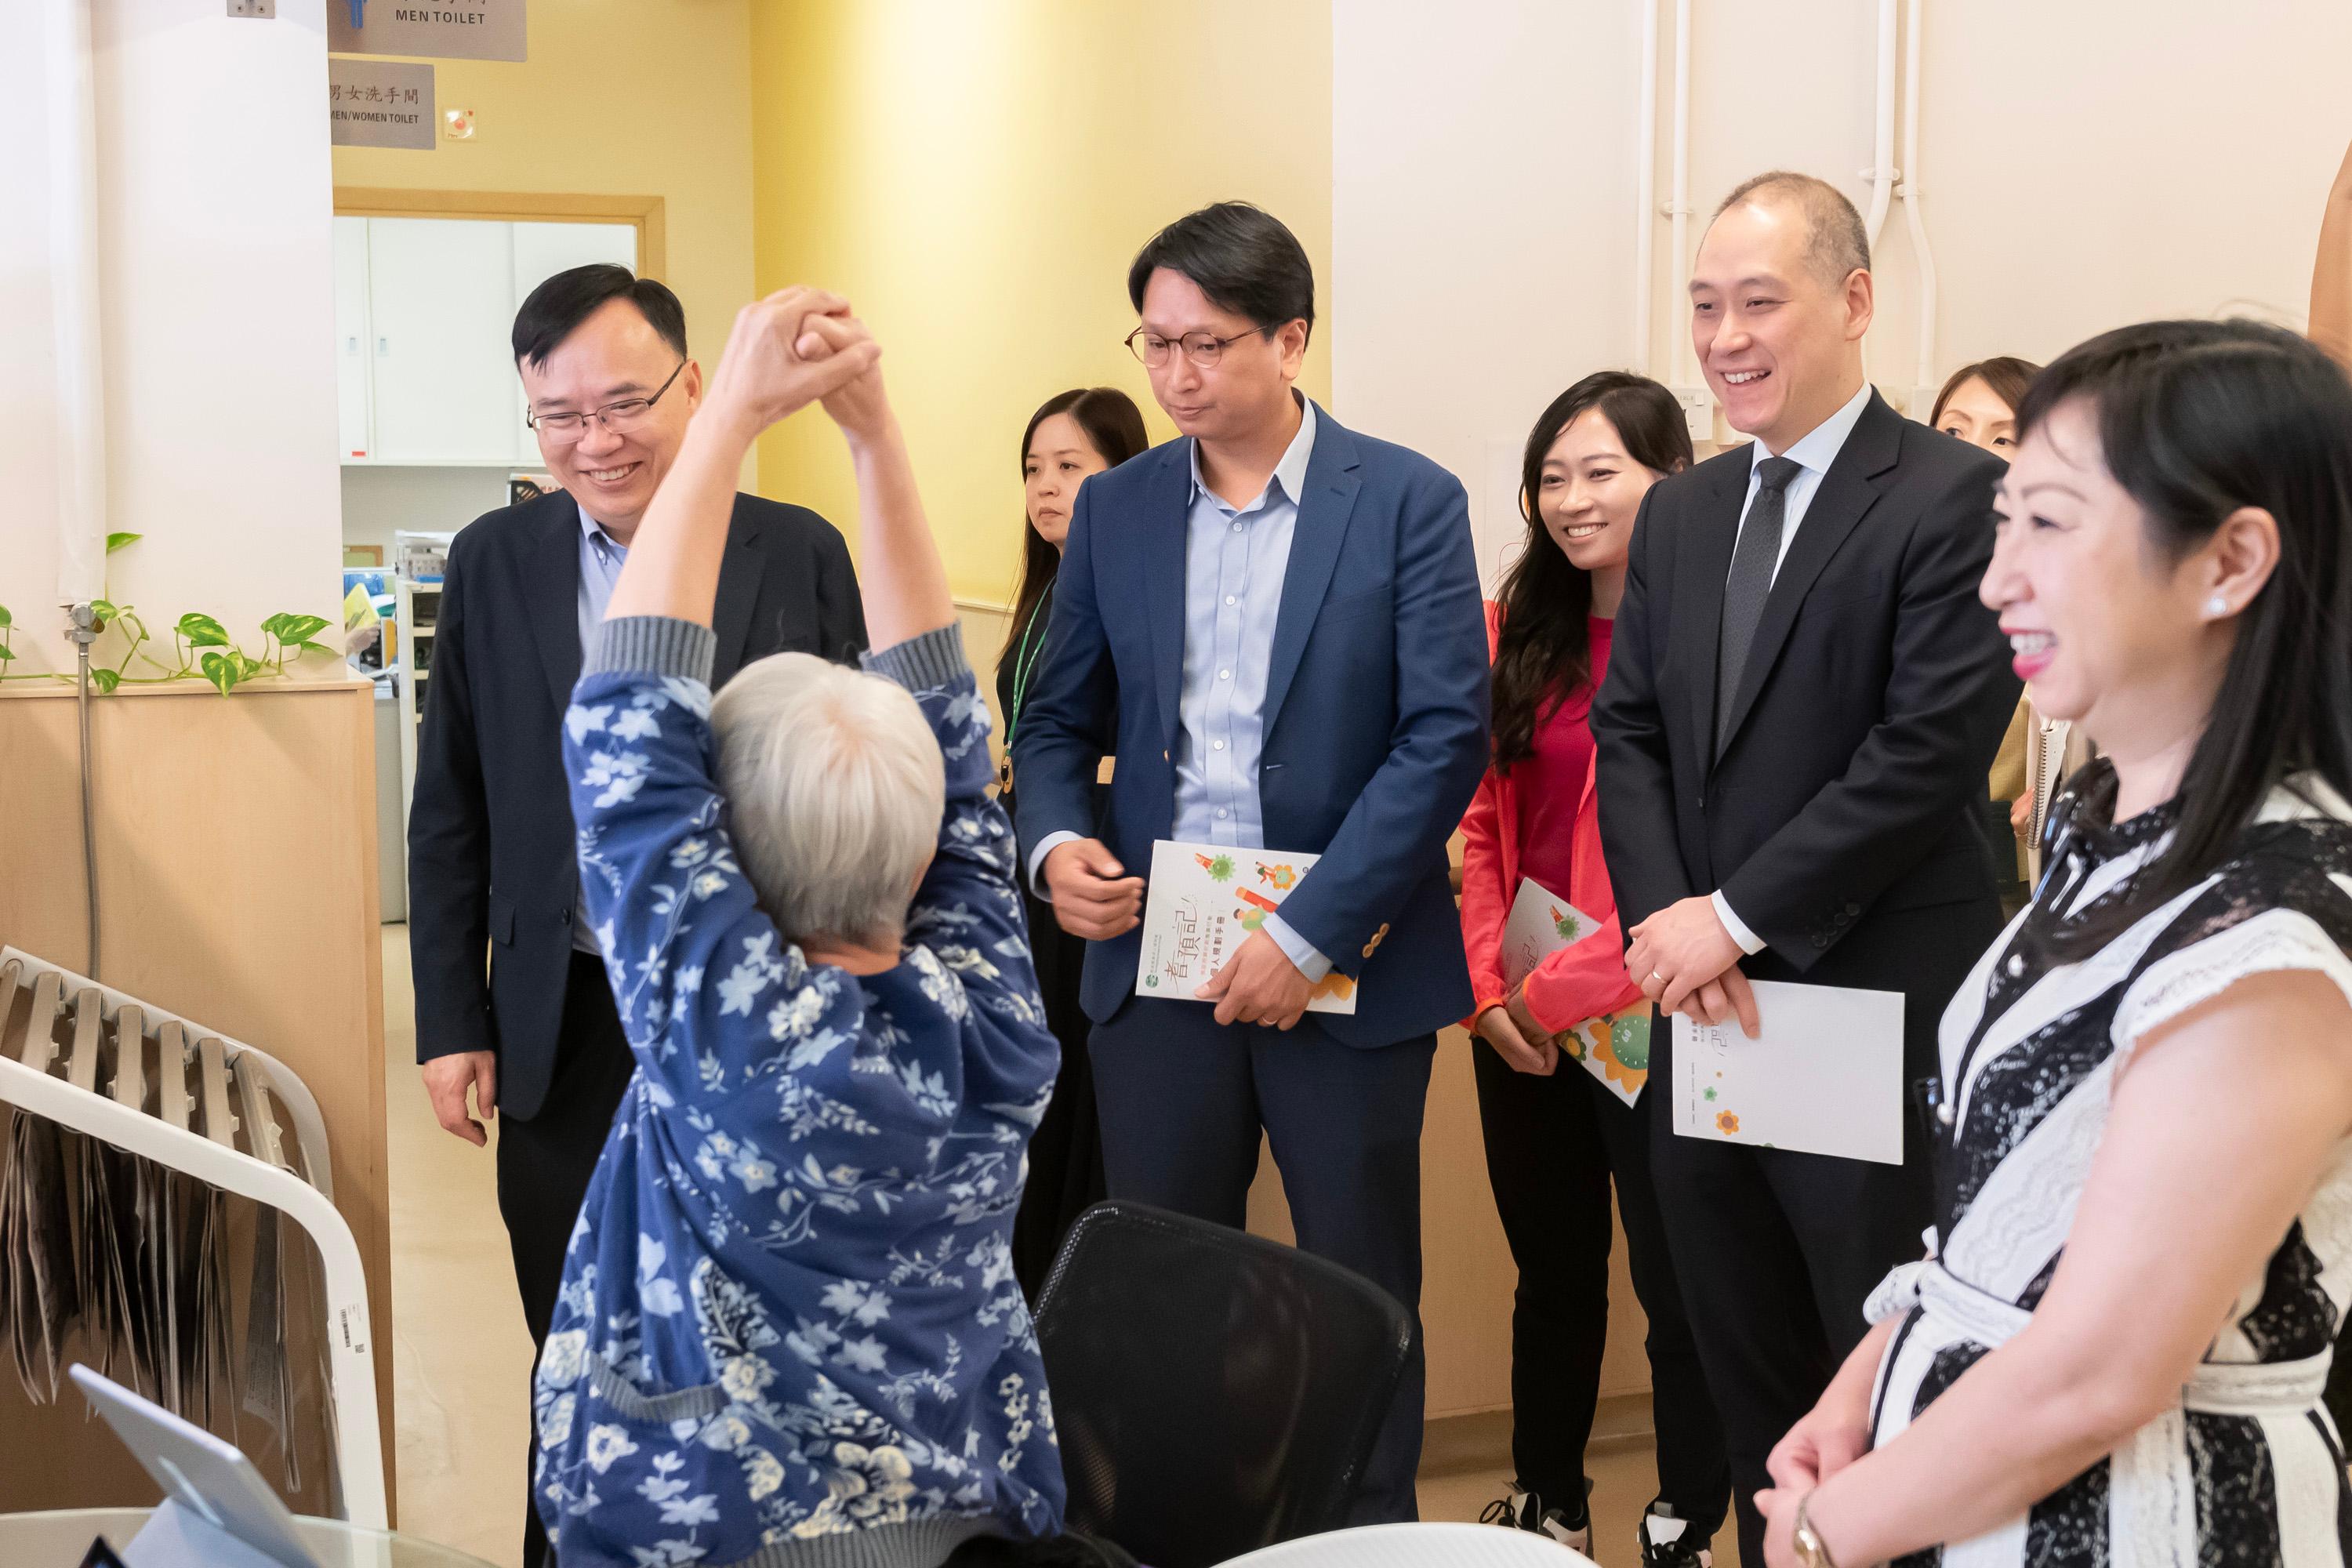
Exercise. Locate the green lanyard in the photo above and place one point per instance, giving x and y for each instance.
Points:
(1025, 659)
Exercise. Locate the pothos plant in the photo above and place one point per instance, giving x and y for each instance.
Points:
(202, 648)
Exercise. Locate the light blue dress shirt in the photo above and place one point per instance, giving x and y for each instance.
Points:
(1812, 452)
(1236, 559)
(600, 568)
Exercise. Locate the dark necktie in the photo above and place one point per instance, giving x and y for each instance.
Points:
(1753, 560)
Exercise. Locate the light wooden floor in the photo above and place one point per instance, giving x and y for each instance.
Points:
(462, 1360)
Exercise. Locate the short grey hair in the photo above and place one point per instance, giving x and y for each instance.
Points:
(1837, 243)
(835, 790)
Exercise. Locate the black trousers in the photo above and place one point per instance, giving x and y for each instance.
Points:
(1066, 1160)
(544, 1164)
(1182, 1100)
(1553, 1147)
(1776, 1252)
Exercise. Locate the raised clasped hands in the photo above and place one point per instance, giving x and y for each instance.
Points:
(1685, 961)
(1259, 984)
(797, 347)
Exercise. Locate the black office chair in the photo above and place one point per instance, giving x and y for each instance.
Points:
(1214, 1392)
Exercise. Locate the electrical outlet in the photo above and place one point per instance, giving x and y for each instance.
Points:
(253, 8)
(1698, 412)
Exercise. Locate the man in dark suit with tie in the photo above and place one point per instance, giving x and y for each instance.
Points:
(1804, 697)
(1274, 624)
(491, 869)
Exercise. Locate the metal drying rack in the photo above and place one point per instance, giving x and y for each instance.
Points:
(234, 1084)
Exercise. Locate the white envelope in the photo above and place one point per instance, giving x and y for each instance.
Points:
(1825, 1078)
(1201, 903)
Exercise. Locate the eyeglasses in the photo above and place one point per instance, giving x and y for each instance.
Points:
(564, 429)
(1204, 349)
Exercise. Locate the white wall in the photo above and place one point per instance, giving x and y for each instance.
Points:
(380, 501)
(2084, 165)
(215, 277)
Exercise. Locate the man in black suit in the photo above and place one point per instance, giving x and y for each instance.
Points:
(1804, 697)
(490, 854)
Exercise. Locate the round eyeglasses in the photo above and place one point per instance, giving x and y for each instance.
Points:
(1204, 349)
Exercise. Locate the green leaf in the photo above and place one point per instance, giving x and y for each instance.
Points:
(115, 541)
(316, 647)
(221, 670)
(246, 665)
(203, 631)
(6, 618)
(5, 654)
(100, 613)
(275, 625)
(294, 628)
(106, 680)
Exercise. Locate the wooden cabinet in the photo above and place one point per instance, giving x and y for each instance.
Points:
(424, 316)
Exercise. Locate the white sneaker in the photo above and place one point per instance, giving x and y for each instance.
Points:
(1523, 1509)
(1663, 1541)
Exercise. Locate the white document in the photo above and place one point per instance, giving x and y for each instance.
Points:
(1825, 1077)
(1541, 923)
(1201, 903)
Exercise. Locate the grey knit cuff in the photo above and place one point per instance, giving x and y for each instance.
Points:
(915, 1541)
(653, 645)
(923, 663)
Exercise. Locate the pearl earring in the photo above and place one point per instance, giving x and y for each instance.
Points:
(2217, 606)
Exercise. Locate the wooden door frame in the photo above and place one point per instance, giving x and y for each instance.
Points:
(643, 212)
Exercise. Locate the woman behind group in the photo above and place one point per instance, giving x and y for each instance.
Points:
(1556, 1135)
(2115, 1349)
(1072, 435)
(1979, 404)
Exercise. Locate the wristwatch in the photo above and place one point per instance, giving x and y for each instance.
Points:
(1812, 1551)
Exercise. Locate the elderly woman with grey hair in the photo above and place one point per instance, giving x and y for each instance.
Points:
(789, 1332)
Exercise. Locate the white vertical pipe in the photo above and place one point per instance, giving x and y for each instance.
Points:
(1681, 357)
(1923, 377)
(74, 291)
(1645, 196)
(1881, 171)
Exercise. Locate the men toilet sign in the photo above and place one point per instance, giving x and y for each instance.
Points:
(452, 29)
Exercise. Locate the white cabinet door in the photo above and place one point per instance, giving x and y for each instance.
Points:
(441, 303)
(353, 353)
(540, 251)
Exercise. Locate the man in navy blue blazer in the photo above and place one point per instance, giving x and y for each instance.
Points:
(1274, 624)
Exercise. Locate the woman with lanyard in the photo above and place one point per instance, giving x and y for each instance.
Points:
(1073, 435)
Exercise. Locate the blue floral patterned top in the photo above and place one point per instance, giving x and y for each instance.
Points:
(789, 1323)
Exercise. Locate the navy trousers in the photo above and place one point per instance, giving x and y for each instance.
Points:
(1182, 1100)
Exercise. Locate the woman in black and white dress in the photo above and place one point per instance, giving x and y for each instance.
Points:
(2114, 1351)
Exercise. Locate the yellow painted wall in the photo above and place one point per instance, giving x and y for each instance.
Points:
(976, 178)
(618, 97)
